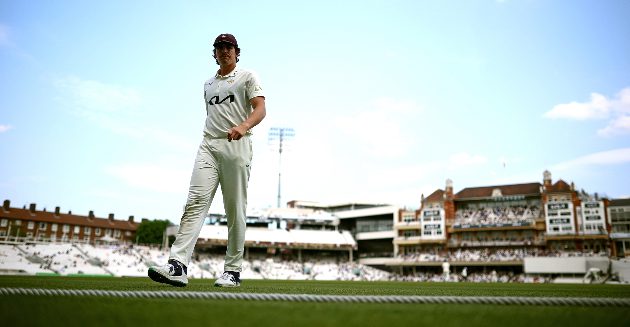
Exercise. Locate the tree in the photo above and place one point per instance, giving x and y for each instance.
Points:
(151, 231)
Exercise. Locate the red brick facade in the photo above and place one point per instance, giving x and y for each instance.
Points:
(31, 224)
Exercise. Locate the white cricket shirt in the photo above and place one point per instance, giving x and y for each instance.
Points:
(228, 100)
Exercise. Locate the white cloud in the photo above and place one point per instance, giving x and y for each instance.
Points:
(94, 97)
(380, 131)
(151, 177)
(616, 109)
(611, 157)
(597, 108)
(4, 36)
(618, 126)
(110, 106)
(5, 128)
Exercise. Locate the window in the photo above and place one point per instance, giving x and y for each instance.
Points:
(116, 233)
(66, 228)
(18, 223)
(3, 232)
(31, 225)
(77, 229)
(97, 231)
(53, 237)
(408, 217)
(86, 238)
(409, 233)
(42, 226)
(53, 227)
(4, 222)
(108, 232)
(86, 230)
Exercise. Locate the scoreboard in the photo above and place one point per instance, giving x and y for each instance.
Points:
(592, 218)
(432, 223)
(559, 218)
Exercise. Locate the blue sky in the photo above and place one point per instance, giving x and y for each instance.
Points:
(101, 104)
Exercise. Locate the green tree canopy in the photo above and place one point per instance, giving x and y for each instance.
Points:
(151, 231)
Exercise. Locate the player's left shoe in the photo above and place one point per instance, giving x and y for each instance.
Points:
(229, 279)
(172, 273)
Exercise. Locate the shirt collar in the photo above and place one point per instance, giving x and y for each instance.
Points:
(230, 74)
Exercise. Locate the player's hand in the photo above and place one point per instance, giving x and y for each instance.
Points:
(236, 133)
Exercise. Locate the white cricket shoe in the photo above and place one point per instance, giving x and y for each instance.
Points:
(228, 279)
(172, 273)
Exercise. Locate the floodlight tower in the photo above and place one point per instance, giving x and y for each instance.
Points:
(277, 137)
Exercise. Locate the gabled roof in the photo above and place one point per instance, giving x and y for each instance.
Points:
(560, 186)
(61, 218)
(505, 190)
(436, 196)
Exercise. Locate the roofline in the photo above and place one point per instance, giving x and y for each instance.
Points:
(455, 198)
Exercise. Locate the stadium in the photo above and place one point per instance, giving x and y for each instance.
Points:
(542, 241)
(530, 232)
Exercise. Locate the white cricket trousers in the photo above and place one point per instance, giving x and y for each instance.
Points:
(228, 164)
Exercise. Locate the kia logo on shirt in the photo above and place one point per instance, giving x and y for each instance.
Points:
(215, 99)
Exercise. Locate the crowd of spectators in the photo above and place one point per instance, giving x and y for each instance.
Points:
(492, 255)
(476, 277)
(129, 260)
(496, 240)
(63, 259)
(497, 215)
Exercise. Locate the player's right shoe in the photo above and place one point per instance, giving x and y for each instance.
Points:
(172, 273)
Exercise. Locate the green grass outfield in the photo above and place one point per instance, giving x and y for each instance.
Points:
(23, 310)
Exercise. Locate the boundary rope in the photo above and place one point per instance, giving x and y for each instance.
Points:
(501, 300)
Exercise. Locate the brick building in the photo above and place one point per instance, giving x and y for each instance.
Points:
(496, 226)
(30, 224)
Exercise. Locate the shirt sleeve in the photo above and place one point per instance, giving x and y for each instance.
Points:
(253, 87)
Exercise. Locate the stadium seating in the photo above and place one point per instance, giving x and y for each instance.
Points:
(64, 259)
(14, 261)
(127, 260)
(131, 260)
(497, 215)
(304, 237)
